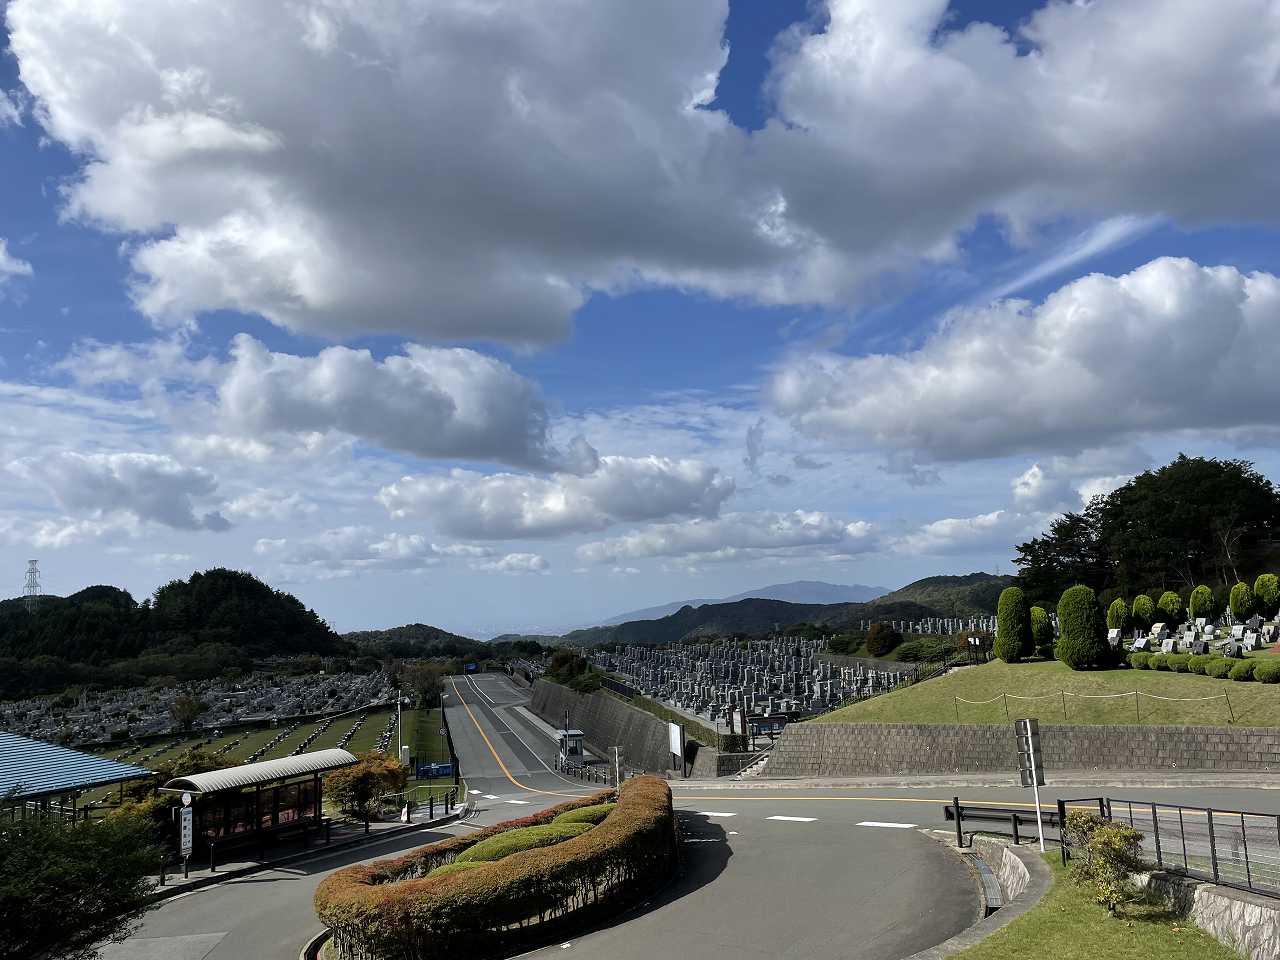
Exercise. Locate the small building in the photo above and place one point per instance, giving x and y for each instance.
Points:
(39, 779)
(255, 802)
(571, 744)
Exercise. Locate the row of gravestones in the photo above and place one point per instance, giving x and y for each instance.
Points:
(273, 742)
(775, 675)
(346, 737)
(1201, 637)
(311, 737)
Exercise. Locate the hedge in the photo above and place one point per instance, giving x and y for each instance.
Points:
(1082, 635)
(1201, 604)
(1177, 662)
(1158, 661)
(1170, 607)
(1266, 594)
(1139, 660)
(1042, 632)
(1143, 612)
(1241, 601)
(593, 814)
(1219, 667)
(526, 838)
(456, 867)
(1197, 662)
(1267, 671)
(392, 910)
(1243, 670)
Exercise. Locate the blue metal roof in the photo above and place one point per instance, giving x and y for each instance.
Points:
(33, 768)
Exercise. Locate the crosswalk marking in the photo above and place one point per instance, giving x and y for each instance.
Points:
(881, 823)
(794, 819)
(490, 796)
(714, 813)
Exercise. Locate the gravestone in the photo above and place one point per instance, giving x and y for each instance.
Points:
(1142, 644)
(1199, 647)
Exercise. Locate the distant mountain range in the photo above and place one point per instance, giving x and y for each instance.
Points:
(797, 591)
(974, 594)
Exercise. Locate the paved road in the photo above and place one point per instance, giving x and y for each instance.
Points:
(783, 872)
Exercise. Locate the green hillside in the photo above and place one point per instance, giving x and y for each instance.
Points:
(971, 595)
(414, 640)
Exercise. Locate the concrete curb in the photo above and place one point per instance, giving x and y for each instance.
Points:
(201, 883)
(1041, 881)
(312, 948)
(1150, 779)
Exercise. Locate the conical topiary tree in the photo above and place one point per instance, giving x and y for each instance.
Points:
(1242, 602)
(1118, 615)
(1202, 604)
(1082, 637)
(1266, 595)
(1042, 631)
(1143, 612)
(1170, 607)
(1013, 626)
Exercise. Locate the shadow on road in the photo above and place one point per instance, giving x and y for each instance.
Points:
(323, 863)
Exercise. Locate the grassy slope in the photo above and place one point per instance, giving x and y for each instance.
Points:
(1068, 925)
(1255, 704)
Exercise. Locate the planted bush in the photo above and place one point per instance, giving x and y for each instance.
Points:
(593, 814)
(1013, 627)
(1266, 595)
(882, 638)
(1176, 662)
(1242, 604)
(1143, 612)
(1042, 632)
(456, 867)
(1219, 667)
(393, 910)
(1202, 604)
(1139, 659)
(526, 838)
(1170, 607)
(1243, 670)
(1267, 671)
(1118, 615)
(926, 650)
(1082, 638)
(1104, 854)
(1158, 661)
(1197, 662)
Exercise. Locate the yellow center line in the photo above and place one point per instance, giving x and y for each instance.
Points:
(549, 793)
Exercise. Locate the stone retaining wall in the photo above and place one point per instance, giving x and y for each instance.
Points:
(607, 723)
(1243, 921)
(855, 749)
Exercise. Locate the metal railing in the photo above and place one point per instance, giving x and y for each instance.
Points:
(586, 772)
(432, 799)
(1234, 848)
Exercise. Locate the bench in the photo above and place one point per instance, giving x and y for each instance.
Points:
(304, 826)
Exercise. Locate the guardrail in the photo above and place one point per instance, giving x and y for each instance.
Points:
(585, 772)
(1016, 817)
(1233, 848)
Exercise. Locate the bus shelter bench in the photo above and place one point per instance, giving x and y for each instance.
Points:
(305, 828)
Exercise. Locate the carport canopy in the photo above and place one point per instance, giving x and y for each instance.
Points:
(35, 770)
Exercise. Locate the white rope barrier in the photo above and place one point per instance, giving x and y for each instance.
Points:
(1063, 694)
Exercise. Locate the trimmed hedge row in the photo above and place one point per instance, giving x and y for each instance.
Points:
(393, 910)
(591, 815)
(1210, 665)
(525, 838)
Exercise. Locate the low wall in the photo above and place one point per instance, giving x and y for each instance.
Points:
(607, 723)
(1243, 921)
(855, 749)
(1008, 867)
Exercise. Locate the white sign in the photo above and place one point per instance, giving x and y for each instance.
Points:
(186, 831)
(675, 738)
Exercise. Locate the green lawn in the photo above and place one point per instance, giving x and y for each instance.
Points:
(366, 737)
(1068, 925)
(934, 701)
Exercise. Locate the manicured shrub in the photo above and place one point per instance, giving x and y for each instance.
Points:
(1219, 667)
(1202, 604)
(527, 838)
(1170, 607)
(395, 909)
(881, 638)
(1140, 660)
(926, 650)
(1196, 663)
(1176, 662)
(1267, 671)
(1042, 632)
(1242, 602)
(1013, 627)
(458, 866)
(1118, 615)
(1143, 613)
(1105, 853)
(1243, 670)
(1266, 595)
(1158, 661)
(592, 815)
(1082, 639)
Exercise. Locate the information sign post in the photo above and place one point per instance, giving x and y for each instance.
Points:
(1030, 764)
(186, 833)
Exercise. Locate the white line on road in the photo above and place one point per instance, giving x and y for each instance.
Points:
(523, 803)
(714, 813)
(891, 826)
(473, 791)
(794, 819)
(489, 796)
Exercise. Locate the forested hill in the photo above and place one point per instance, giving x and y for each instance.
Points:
(972, 595)
(195, 627)
(415, 640)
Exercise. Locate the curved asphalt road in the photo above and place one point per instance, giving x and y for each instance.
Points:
(779, 872)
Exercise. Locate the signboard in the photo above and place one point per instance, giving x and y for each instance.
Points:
(430, 771)
(470, 667)
(1030, 763)
(186, 831)
(675, 739)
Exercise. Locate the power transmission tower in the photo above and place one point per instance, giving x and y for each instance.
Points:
(31, 590)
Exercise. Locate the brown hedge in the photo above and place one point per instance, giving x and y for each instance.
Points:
(391, 909)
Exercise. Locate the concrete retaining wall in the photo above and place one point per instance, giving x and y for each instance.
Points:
(607, 722)
(1008, 867)
(854, 749)
(1243, 921)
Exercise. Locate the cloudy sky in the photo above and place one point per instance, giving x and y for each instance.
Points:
(501, 314)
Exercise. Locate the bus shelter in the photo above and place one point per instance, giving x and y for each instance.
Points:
(258, 802)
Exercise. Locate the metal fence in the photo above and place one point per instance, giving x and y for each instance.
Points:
(1235, 848)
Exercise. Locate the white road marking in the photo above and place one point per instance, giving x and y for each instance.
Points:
(892, 826)
(473, 791)
(733, 833)
(489, 796)
(523, 803)
(794, 819)
(714, 813)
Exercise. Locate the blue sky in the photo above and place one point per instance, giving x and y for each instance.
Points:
(513, 320)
